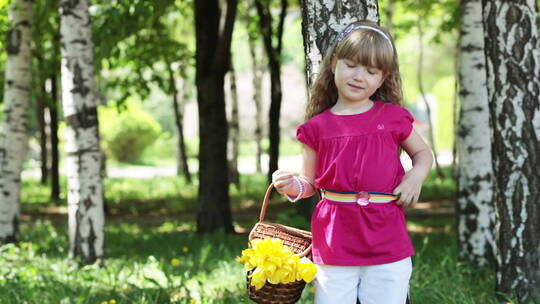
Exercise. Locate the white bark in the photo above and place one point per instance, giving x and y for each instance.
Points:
(85, 201)
(476, 219)
(323, 20)
(13, 139)
(513, 82)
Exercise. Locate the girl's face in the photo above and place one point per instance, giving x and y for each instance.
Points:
(355, 82)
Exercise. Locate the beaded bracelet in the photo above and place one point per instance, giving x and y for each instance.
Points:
(300, 192)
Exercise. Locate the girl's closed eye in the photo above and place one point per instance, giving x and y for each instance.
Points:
(350, 64)
(373, 71)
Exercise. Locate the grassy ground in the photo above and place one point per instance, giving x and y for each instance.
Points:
(155, 256)
(169, 263)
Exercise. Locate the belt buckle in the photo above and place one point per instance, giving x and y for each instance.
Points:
(362, 198)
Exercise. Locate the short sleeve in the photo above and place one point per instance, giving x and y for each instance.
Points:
(404, 125)
(307, 135)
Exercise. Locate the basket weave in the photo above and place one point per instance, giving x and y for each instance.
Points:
(299, 241)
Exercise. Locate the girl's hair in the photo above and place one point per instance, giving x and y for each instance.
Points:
(366, 47)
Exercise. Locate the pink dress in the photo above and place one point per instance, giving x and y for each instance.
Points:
(358, 153)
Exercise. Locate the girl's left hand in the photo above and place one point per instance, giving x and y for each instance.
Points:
(409, 191)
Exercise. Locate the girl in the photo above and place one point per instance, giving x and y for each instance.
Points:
(355, 129)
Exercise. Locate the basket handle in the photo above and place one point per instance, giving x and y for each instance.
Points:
(267, 198)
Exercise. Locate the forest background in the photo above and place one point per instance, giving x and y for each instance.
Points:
(145, 71)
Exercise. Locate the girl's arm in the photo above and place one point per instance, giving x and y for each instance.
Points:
(284, 180)
(422, 160)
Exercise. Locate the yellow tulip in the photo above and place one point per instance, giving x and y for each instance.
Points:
(273, 262)
(306, 270)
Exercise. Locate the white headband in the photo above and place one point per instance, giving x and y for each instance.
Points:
(354, 27)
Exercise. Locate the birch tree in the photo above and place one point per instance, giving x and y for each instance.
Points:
(323, 20)
(85, 200)
(13, 139)
(476, 210)
(513, 82)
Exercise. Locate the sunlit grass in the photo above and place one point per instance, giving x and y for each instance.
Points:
(165, 261)
(169, 263)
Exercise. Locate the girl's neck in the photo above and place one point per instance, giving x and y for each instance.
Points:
(348, 108)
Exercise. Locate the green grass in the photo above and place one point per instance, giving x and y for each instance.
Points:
(169, 263)
(142, 255)
(435, 188)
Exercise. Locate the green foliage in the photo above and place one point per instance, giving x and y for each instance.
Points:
(127, 134)
(444, 91)
(163, 151)
(291, 218)
(136, 44)
(154, 196)
(435, 188)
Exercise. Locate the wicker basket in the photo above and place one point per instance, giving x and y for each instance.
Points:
(299, 241)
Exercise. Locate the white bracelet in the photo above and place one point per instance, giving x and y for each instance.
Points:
(300, 191)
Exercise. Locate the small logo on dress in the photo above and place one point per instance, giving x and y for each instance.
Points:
(380, 127)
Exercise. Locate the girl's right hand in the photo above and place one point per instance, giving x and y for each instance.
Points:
(284, 182)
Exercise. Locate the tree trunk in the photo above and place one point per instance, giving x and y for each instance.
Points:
(274, 64)
(42, 122)
(182, 162)
(389, 12)
(213, 42)
(456, 109)
(257, 71)
(55, 153)
(85, 201)
(41, 113)
(13, 139)
(234, 132)
(423, 94)
(475, 207)
(513, 82)
(323, 20)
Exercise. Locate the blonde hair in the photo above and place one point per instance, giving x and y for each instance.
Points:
(367, 47)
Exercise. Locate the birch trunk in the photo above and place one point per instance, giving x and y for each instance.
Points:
(323, 20)
(476, 210)
(85, 200)
(13, 139)
(513, 82)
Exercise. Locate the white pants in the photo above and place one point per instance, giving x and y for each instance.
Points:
(374, 284)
